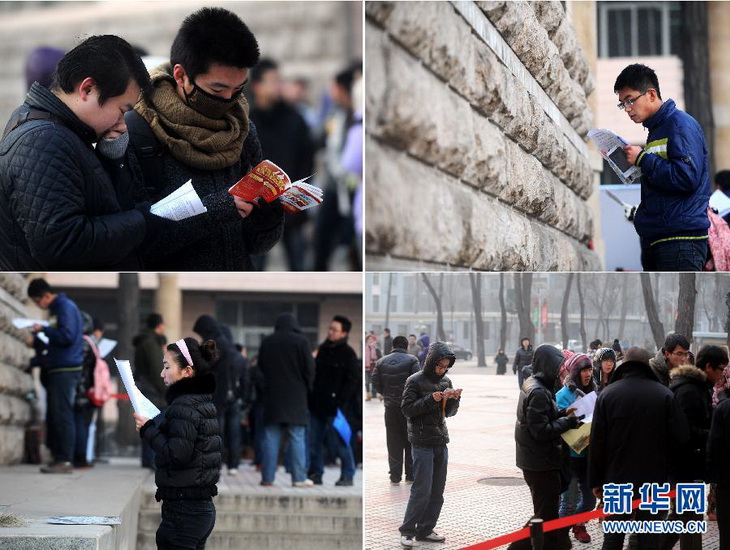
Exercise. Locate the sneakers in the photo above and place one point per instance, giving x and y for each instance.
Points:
(57, 468)
(406, 541)
(305, 483)
(433, 536)
(316, 478)
(580, 533)
(344, 482)
(233, 471)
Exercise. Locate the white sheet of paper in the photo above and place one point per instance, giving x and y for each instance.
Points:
(610, 146)
(85, 520)
(106, 346)
(43, 338)
(182, 203)
(21, 322)
(720, 202)
(585, 406)
(140, 403)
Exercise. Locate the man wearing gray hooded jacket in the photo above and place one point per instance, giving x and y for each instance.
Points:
(428, 398)
(540, 452)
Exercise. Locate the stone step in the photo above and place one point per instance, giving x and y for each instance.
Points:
(274, 541)
(279, 501)
(256, 522)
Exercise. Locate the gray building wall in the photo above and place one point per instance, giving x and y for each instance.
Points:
(475, 137)
(15, 383)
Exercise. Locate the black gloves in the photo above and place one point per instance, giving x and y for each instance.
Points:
(156, 225)
(574, 421)
(269, 213)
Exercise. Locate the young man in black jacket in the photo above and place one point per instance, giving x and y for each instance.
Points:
(389, 379)
(63, 206)
(428, 398)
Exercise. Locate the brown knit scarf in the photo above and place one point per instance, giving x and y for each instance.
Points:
(193, 139)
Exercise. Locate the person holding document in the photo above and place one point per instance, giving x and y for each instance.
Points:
(186, 440)
(193, 125)
(672, 220)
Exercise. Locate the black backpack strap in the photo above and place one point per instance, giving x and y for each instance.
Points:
(149, 152)
(32, 114)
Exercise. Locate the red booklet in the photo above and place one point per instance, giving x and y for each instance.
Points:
(268, 181)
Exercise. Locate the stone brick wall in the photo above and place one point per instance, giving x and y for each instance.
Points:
(15, 412)
(311, 39)
(475, 137)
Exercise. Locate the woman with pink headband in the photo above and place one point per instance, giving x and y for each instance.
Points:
(187, 443)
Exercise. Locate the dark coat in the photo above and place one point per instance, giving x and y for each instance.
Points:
(186, 440)
(226, 364)
(337, 378)
(148, 355)
(637, 429)
(286, 362)
(692, 393)
(501, 359)
(539, 422)
(59, 209)
(390, 374)
(237, 383)
(426, 419)
(65, 334)
(218, 240)
(523, 357)
(718, 444)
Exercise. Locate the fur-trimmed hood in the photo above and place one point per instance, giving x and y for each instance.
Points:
(686, 374)
(196, 385)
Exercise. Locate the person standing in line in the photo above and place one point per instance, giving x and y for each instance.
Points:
(501, 359)
(523, 358)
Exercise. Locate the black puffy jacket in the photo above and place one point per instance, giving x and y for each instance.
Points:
(718, 443)
(59, 209)
(539, 422)
(186, 440)
(390, 374)
(426, 418)
(336, 378)
(523, 357)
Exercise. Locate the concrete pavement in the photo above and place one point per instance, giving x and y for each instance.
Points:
(485, 495)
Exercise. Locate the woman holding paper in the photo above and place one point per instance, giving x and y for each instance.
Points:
(186, 440)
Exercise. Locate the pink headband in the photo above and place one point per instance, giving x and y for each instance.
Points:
(184, 350)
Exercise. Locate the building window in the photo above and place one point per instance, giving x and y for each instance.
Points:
(638, 28)
(376, 304)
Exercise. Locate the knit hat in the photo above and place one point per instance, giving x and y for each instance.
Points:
(603, 354)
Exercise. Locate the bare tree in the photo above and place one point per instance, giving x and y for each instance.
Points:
(686, 305)
(657, 329)
(582, 330)
(476, 296)
(503, 314)
(624, 304)
(695, 61)
(387, 300)
(437, 300)
(564, 324)
(128, 305)
(523, 298)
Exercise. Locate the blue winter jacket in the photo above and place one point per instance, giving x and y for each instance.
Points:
(65, 335)
(675, 183)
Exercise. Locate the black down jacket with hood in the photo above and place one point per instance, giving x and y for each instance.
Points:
(186, 440)
(391, 373)
(59, 209)
(426, 420)
(539, 422)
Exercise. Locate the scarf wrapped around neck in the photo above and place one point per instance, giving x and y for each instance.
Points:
(192, 139)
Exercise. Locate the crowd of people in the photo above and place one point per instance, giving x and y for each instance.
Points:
(213, 398)
(102, 139)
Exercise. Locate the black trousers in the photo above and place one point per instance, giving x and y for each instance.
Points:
(186, 524)
(722, 494)
(545, 488)
(399, 449)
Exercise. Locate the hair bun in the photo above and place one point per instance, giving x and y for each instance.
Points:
(209, 351)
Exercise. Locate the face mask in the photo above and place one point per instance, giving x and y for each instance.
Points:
(209, 105)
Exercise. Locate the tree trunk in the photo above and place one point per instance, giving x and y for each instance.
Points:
(582, 331)
(624, 305)
(523, 291)
(686, 305)
(564, 323)
(503, 314)
(439, 312)
(476, 296)
(695, 57)
(657, 329)
(387, 300)
(128, 306)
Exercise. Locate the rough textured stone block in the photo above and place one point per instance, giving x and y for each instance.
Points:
(12, 445)
(487, 169)
(549, 13)
(378, 12)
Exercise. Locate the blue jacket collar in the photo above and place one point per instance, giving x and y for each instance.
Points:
(664, 112)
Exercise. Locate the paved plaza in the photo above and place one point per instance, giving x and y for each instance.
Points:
(485, 496)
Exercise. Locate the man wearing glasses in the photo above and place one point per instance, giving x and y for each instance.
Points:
(428, 398)
(674, 354)
(672, 219)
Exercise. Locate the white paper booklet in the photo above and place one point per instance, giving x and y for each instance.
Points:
(720, 202)
(106, 346)
(182, 203)
(21, 323)
(584, 406)
(140, 403)
(611, 148)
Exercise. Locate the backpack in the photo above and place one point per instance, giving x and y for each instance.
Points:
(719, 241)
(101, 390)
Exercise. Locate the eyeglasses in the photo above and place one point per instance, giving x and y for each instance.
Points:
(447, 366)
(629, 102)
(680, 353)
